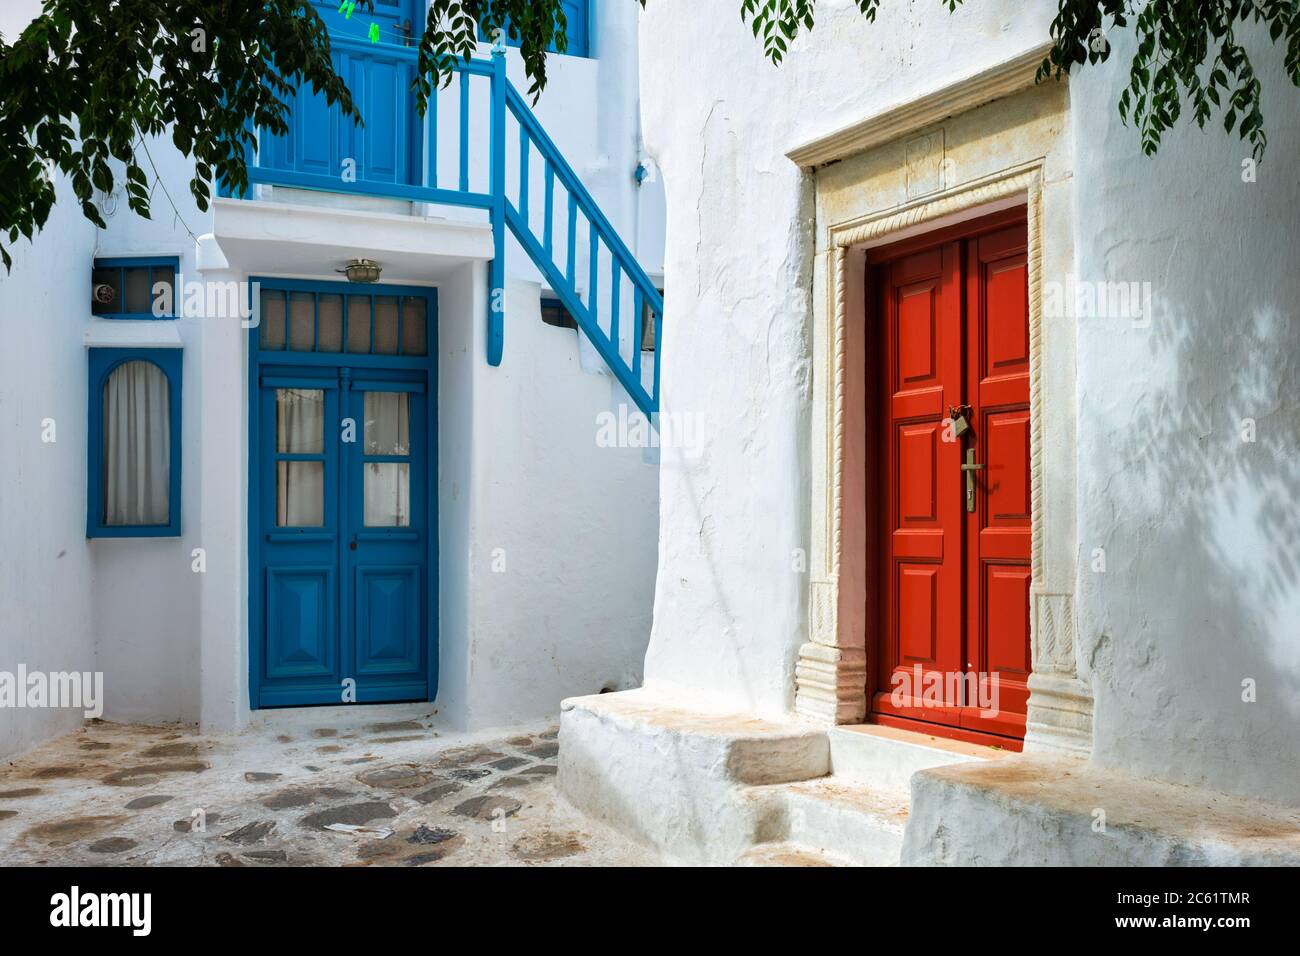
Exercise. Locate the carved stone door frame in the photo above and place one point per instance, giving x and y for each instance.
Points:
(831, 674)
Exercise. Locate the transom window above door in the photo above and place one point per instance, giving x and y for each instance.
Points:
(358, 323)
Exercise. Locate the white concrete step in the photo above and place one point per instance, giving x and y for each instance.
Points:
(886, 757)
(1040, 810)
(860, 825)
(677, 779)
(858, 813)
(790, 854)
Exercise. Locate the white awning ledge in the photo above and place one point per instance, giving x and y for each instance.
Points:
(133, 334)
(292, 239)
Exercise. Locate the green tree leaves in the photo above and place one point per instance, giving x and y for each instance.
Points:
(1187, 52)
(87, 82)
(452, 30)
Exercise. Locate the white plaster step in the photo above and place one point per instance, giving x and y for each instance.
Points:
(790, 854)
(1040, 810)
(681, 780)
(842, 819)
(886, 757)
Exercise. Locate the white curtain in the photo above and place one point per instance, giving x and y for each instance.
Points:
(300, 430)
(137, 445)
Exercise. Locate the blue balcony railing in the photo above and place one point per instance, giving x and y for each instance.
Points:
(398, 156)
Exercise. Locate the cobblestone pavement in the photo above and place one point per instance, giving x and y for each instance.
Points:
(378, 794)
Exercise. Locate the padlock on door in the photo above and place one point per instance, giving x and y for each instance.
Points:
(957, 418)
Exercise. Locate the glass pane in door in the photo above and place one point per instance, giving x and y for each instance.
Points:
(387, 494)
(388, 423)
(300, 453)
(300, 494)
(300, 421)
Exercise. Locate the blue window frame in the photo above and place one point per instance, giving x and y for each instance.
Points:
(578, 29)
(134, 443)
(135, 288)
(554, 313)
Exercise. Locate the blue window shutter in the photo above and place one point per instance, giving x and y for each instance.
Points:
(575, 12)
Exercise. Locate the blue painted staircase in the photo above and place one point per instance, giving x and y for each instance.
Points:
(591, 270)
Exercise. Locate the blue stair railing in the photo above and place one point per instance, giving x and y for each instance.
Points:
(647, 304)
(611, 322)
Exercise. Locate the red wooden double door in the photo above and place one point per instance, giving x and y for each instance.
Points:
(950, 505)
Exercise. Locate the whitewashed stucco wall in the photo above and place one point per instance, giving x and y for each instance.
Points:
(46, 565)
(730, 608)
(1201, 586)
(559, 543)
(1201, 530)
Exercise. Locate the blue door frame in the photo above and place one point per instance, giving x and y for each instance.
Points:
(342, 600)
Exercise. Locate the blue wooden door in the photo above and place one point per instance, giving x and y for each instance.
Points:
(344, 520)
(389, 147)
(577, 31)
(387, 484)
(396, 20)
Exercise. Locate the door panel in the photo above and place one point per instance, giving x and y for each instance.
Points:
(344, 529)
(1006, 617)
(920, 300)
(918, 460)
(998, 531)
(918, 600)
(300, 623)
(917, 334)
(389, 147)
(388, 619)
(1006, 471)
(388, 524)
(954, 622)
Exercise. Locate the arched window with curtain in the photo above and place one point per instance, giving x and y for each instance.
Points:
(134, 443)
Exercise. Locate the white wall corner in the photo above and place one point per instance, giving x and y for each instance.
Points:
(208, 255)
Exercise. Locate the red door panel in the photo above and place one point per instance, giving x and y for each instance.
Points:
(918, 604)
(920, 302)
(1006, 474)
(917, 458)
(998, 531)
(953, 648)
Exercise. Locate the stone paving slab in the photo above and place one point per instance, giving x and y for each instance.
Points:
(373, 793)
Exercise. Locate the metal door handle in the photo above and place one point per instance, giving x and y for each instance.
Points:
(969, 468)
